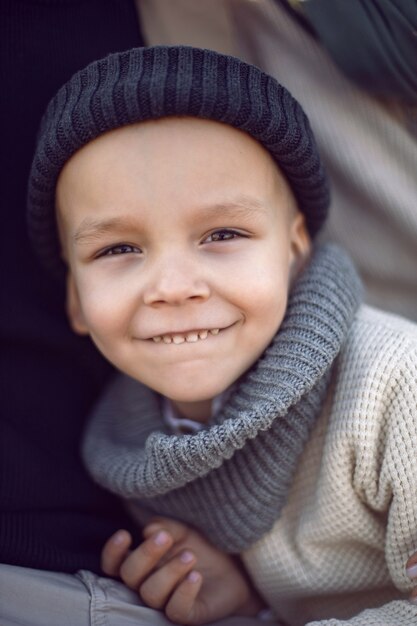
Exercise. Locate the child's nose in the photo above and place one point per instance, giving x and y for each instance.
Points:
(175, 283)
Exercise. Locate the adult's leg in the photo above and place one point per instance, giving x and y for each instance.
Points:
(41, 598)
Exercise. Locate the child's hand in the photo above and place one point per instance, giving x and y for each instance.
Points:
(411, 569)
(178, 571)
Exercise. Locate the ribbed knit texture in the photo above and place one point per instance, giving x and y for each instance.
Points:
(231, 480)
(149, 83)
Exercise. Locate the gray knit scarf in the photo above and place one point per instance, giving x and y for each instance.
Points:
(231, 479)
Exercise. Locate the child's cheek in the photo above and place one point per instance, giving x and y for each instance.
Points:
(104, 307)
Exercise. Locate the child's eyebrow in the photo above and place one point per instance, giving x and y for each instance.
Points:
(241, 207)
(91, 229)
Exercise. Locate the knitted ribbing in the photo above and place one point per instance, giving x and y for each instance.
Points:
(231, 479)
(150, 83)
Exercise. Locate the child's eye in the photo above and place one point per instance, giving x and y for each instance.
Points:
(222, 235)
(121, 248)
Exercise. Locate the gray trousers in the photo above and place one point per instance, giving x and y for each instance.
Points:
(30, 597)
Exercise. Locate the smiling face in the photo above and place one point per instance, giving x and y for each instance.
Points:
(181, 239)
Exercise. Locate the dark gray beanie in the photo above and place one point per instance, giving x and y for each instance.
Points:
(150, 83)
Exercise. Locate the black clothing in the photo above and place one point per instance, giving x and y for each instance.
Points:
(373, 41)
(51, 514)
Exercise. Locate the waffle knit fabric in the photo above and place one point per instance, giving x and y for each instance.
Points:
(231, 479)
(150, 83)
(337, 554)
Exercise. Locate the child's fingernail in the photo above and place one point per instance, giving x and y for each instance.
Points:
(152, 528)
(161, 538)
(193, 577)
(187, 557)
(411, 571)
(119, 537)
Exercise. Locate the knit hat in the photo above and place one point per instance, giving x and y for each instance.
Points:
(154, 82)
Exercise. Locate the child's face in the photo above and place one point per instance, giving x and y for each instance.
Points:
(181, 238)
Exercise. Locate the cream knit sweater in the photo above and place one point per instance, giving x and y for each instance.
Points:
(350, 523)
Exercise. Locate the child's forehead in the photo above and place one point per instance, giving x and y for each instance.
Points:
(165, 129)
(173, 145)
(203, 164)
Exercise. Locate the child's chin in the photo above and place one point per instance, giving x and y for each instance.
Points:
(197, 403)
(196, 396)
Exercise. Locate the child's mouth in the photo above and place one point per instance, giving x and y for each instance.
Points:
(191, 336)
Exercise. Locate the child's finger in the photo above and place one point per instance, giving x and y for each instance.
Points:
(157, 588)
(411, 571)
(182, 607)
(115, 552)
(141, 562)
(176, 529)
(411, 566)
(151, 529)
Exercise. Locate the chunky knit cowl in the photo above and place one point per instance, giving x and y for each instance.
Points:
(231, 479)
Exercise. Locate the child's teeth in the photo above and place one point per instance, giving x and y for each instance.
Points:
(190, 337)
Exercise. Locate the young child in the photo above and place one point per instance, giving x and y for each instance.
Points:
(188, 190)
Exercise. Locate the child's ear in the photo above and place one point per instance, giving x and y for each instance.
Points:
(73, 307)
(300, 245)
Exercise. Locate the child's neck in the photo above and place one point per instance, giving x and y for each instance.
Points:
(196, 411)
